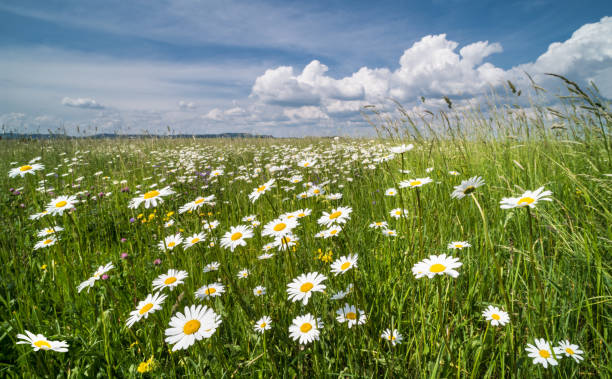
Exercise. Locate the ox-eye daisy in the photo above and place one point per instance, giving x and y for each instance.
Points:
(50, 241)
(392, 336)
(151, 198)
(212, 266)
(343, 264)
(40, 342)
(263, 324)
(192, 240)
(279, 227)
(304, 285)
(149, 305)
(170, 280)
(413, 183)
(259, 291)
(236, 237)
(351, 315)
(60, 204)
(496, 316)
(436, 265)
(170, 242)
(25, 169)
(305, 328)
(541, 353)
(197, 322)
(467, 187)
(210, 290)
(257, 192)
(569, 350)
(339, 215)
(398, 212)
(527, 199)
(97, 274)
(379, 224)
(458, 245)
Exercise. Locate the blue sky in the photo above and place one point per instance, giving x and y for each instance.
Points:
(285, 68)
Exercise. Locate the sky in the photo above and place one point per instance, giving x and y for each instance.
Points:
(282, 68)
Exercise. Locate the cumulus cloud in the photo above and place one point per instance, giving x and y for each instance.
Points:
(305, 113)
(81, 102)
(186, 105)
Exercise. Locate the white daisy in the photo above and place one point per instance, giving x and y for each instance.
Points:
(401, 148)
(398, 212)
(170, 280)
(236, 237)
(60, 204)
(263, 324)
(149, 305)
(569, 350)
(351, 315)
(279, 227)
(541, 353)
(40, 342)
(391, 192)
(47, 231)
(192, 240)
(151, 198)
(210, 225)
(259, 291)
(25, 169)
(496, 316)
(243, 274)
(304, 285)
(97, 274)
(266, 255)
(170, 242)
(436, 265)
(343, 264)
(379, 224)
(285, 242)
(45, 243)
(210, 290)
(467, 187)
(257, 192)
(339, 215)
(527, 199)
(331, 232)
(197, 322)
(392, 336)
(212, 266)
(305, 328)
(458, 245)
(197, 203)
(413, 183)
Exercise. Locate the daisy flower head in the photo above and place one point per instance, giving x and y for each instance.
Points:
(315, 191)
(392, 335)
(197, 203)
(436, 265)
(279, 227)
(210, 225)
(285, 242)
(249, 218)
(217, 172)
(305, 329)
(263, 324)
(527, 199)
(243, 274)
(454, 173)
(339, 215)
(351, 315)
(401, 148)
(334, 196)
(196, 323)
(236, 237)
(306, 163)
(496, 316)
(170, 242)
(169, 223)
(414, 183)
(170, 280)
(60, 204)
(467, 187)
(50, 241)
(331, 232)
(48, 231)
(379, 224)
(265, 256)
(343, 264)
(389, 232)
(300, 213)
(192, 240)
(37, 216)
(151, 198)
(40, 342)
(25, 169)
(569, 350)
(458, 245)
(257, 192)
(89, 283)
(259, 291)
(302, 287)
(149, 305)
(541, 353)
(391, 192)
(210, 290)
(398, 212)
(212, 266)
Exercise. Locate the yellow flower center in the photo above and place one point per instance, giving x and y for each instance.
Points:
(437, 268)
(345, 266)
(49, 231)
(170, 280)
(47, 241)
(61, 204)
(333, 232)
(525, 201)
(151, 194)
(301, 215)
(280, 226)
(392, 338)
(25, 168)
(236, 236)
(262, 188)
(262, 325)
(306, 287)
(199, 201)
(306, 164)
(317, 191)
(171, 244)
(569, 351)
(351, 316)
(495, 316)
(335, 215)
(286, 240)
(469, 189)
(191, 327)
(195, 240)
(42, 344)
(544, 353)
(210, 291)
(415, 183)
(305, 328)
(146, 308)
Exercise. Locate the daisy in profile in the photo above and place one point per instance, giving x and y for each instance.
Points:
(342, 293)
(212, 266)
(306, 163)
(257, 192)
(196, 323)
(50, 241)
(351, 315)
(305, 329)
(541, 353)
(391, 192)
(259, 291)
(37, 216)
(197, 203)
(458, 245)
(249, 218)
(389, 232)
(89, 283)
(60, 204)
(331, 232)
(149, 305)
(210, 225)
(236, 237)
(170, 280)
(467, 187)
(300, 213)
(265, 256)
(334, 196)
(414, 183)
(304, 285)
(192, 240)
(243, 274)
(40, 342)
(379, 224)
(285, 242)
(170, 242)
(263, 324)
(527, 199)
(392, 336)
(151, 198)
(436, 265)
(496, 316)
(210, 290)
(215, 173)
(454, 173)
(569, 350)
(339, 215)
(398, 212)
(315, 191)
(49, 231)
(343, 264)
(295, 179)
(25, 169)
(279, 227)
(401, 148)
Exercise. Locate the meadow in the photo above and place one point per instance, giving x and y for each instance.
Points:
(344, 244)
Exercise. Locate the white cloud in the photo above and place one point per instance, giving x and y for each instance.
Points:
(185, 105)
(305, 113)
(81, 102)
(214, 114)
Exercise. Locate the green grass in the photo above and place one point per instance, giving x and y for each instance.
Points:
(554, 262)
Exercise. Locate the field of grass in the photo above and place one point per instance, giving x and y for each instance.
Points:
(547, 266)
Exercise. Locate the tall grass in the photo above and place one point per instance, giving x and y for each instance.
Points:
(548, 268)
